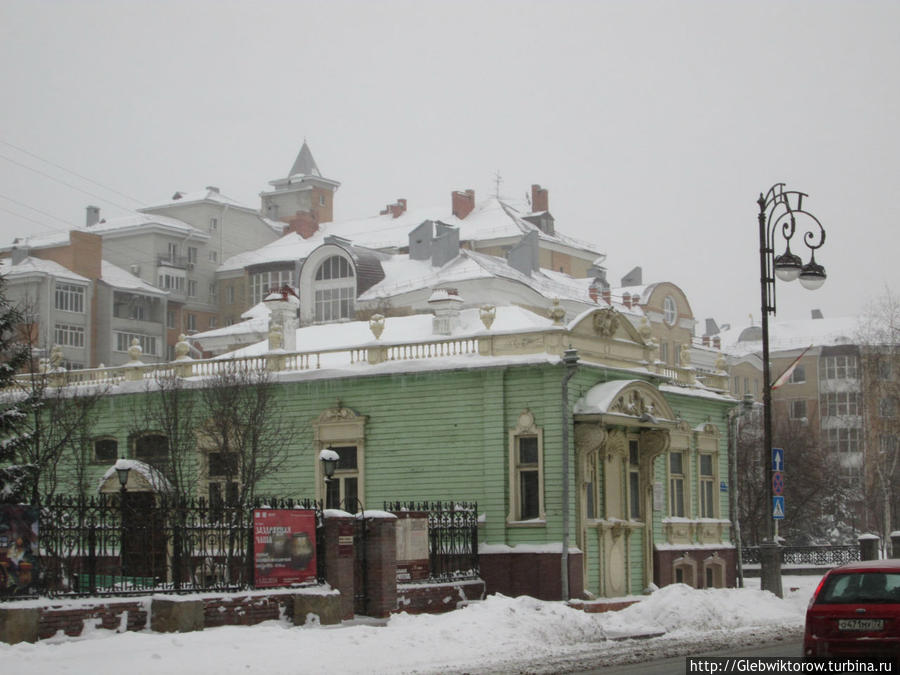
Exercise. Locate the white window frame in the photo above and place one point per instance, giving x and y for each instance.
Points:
(341, 427)
(798, 406)
(677, 502)
(525, 428)
(69, 298)
(670, 310)
(67, 335)
(706, 486)
(148, 343)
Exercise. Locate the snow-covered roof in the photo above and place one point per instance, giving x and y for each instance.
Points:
(795, 334)
(397, 330)
(116, 277)
(31, 266)
(143, 220)
(208, 194)
(490, 219)
(289, 248)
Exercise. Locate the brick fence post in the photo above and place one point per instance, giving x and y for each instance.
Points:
(339, 558)
(868, 546)
(381, 562)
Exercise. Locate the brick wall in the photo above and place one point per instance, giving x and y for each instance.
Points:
(535, 574)
(112, 615)
(246, 610)
(434, 598)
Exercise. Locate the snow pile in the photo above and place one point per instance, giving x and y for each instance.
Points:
(500, 634)
(680, 609)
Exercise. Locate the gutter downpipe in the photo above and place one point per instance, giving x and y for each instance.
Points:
(570, 360)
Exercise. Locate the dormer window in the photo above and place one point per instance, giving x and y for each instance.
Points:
(335, 285)
(670, 310)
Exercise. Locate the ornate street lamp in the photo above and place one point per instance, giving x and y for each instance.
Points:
(779, 211)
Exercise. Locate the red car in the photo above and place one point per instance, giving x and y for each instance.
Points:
(855, 612)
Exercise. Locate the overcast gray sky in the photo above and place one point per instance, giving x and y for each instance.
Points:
(654, 125)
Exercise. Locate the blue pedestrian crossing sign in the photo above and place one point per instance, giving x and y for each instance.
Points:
(778, 508)
(777, 459)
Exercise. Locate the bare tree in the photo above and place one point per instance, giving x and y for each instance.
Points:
(163, 431)
(245, 436)
(878, 335)
(816, 491)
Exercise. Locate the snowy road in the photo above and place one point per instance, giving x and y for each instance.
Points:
(498, 635)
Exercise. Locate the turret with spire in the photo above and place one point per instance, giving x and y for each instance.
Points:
(303, 199)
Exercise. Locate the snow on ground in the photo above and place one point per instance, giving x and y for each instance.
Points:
(499, 634)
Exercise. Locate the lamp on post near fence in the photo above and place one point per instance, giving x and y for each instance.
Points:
(330, 460)
(779, 210)
(123, 468)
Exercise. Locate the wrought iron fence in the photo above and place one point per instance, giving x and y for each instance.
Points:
(130, 543)
(824, 556)
(452, 537)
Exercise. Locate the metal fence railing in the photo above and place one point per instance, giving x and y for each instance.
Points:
(121, 544)
(813, 556)
(452, 537)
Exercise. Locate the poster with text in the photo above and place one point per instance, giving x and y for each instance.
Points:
(284, 546)
(18, 549)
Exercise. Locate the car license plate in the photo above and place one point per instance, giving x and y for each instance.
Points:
(860, 624)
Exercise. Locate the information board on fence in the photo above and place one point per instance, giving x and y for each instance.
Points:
(284, 546)
(18, 549)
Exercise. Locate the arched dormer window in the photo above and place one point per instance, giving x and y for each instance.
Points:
(335, 290)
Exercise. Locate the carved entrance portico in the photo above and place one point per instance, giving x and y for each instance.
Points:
(621, 427)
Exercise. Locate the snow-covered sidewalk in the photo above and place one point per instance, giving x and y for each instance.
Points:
(496, 635)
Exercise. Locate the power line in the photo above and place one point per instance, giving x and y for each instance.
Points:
(32, 220)
(43, 213)
(62, 182)
(74, 173)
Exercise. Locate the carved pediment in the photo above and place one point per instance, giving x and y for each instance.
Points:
(606, 321)
(633, 403)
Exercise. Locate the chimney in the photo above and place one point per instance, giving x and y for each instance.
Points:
(633, 278)
(540, 200)
(593, 292)
(445, 246)
(445, 303)
(717, 342)
(396, 209)
(524, 255)
(304, 223)
(817, 314)
(626, 300)
(606, 295)
(18, 254)
(420, 241)
(92, 216)
(462, 203)
(705, 340)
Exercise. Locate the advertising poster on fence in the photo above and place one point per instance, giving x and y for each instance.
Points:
(18, 549)
(284, 546)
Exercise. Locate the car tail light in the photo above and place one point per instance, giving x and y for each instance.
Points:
(815, 594)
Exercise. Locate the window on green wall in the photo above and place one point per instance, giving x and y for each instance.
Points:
(707, 487)
(342, 491)
(526, 477)
(676, 484)
(634, 481)
(527, 467)
(106, 450)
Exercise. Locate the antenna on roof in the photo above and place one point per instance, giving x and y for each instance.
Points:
(497, 181)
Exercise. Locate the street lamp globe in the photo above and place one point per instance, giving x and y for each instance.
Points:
(788, 266)
(812, 276)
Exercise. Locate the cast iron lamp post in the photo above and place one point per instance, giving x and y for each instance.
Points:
(779, 210)
(123, 468)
